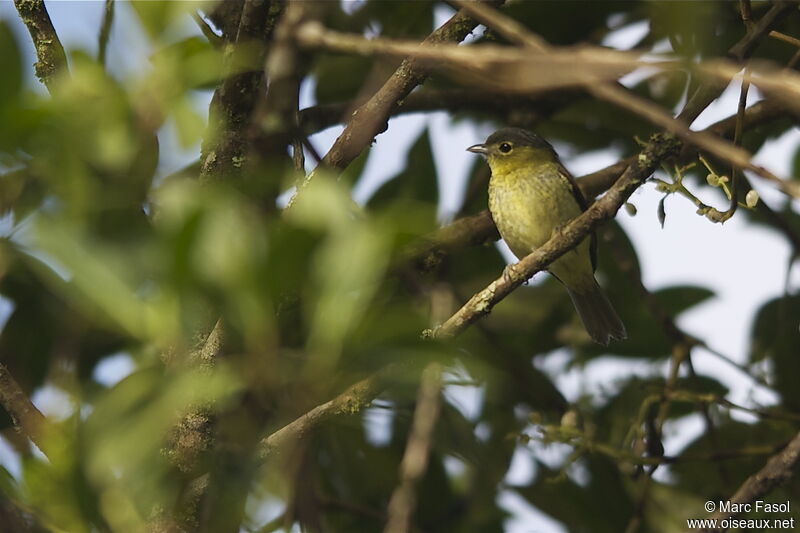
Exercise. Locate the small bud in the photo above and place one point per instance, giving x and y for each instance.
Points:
(751, 199)
(630, 208)
(724, 179)
(570, 419)
(713, 180)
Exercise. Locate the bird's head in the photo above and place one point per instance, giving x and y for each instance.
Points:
(512, 148)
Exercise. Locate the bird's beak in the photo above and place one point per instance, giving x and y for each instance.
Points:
(478, 149)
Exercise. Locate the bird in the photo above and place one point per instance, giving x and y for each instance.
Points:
(532, 196)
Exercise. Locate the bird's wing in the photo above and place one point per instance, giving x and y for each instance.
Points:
(583, 204)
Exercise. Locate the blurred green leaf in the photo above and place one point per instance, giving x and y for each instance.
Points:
(10, 66)
(159, 15)
(399, 19)
(775, 337)
(576, 505)
(339, 78)
(416, 186)
(696, 28)
(571, 21)
(728, 436)
(347, 267)
(102, 283)
(626, 399)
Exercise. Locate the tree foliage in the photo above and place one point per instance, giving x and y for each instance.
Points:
(302, 365)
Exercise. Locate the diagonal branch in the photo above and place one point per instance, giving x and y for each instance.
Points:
(778, 470)
(657, 150)
(49, 51)
(28, 420)
(371, 118)
(351, 401)
(415, 459)
(478, 229)
(625, 99)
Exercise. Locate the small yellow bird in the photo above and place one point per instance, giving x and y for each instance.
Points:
(532, 196)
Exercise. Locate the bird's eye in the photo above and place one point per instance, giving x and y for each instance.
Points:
(505, 147)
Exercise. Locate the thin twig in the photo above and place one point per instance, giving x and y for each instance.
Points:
(785, 38)
(415, 458)
(105, 31)
(737, 140)
(351, 401)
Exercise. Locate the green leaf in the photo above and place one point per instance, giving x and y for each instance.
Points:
(400, 19)
(10, 66)
(728, 437)
(776, 337)
(159, 15)
(570, 21)
(103, 283)
(646, 336)
(339, 78)
(704, 28)
(578, 506)
(415, 187)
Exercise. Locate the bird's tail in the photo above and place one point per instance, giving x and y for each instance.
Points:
(597, 314)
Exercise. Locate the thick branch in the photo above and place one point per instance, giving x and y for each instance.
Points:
(49, 52)
(659, 148)
(777, 470)
(233, 103)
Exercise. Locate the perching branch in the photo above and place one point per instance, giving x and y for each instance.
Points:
(777, 470)
(469, 231)
(657, 150)
(49, 52)
(478, 229)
